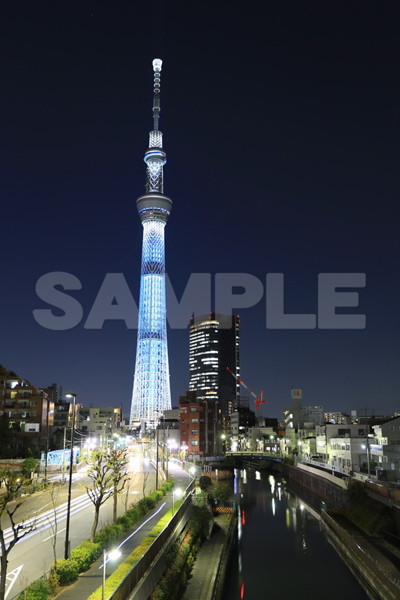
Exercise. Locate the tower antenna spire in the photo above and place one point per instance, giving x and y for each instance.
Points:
(151, 388)
(157, 65)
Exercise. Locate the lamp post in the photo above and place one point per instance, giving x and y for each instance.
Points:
(206, 427)
(177, 493)
(184, 447)
(47, 440)
(71, 462)
(216, 449)
(157, 456)
(63, 457)
(368, 457)
(171, 445)
(112, 555)
(223, 438)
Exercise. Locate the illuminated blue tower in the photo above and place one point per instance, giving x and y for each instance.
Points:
(151, 389)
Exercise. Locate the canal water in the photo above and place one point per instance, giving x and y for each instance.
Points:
(281, 552)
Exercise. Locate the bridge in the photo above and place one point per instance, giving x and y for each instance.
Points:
(250, 455)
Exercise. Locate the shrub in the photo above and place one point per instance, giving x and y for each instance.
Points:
(221, 492)
(85, 554)
(38, 590)
(109, 535)
(167, 486)
(151, 500)
(125, 520)
(142, 506)
(205, 482)
(67, 571)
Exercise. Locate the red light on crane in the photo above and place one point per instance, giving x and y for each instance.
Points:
(258, 400)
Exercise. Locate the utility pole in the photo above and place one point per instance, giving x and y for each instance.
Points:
(71, 462)
(63, 456)
(47, 439)
(157, 456)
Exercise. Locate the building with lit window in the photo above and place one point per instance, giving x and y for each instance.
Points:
(26, 411)
(213, 348)
(198, 421)
(99, 421)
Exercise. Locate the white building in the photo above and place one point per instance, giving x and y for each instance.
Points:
(99, 421)
(385, 449)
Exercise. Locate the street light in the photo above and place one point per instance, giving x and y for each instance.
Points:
(206, 427)
(71, 462)
(184, 447)
(216, 449)
(223, 438)
(171, 445)
(178, 493)
(112, 555)
(192, 472)
(47, 438)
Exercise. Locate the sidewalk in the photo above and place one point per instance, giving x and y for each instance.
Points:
(201, 582)
(90, 580)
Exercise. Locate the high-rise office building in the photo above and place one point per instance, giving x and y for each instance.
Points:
(151, 388)
(213, 348)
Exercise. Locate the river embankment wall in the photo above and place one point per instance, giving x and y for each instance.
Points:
(331, 489)
(374, 571)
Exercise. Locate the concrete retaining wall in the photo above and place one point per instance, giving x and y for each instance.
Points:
(334, 496)
(224, 561)
(370, 567)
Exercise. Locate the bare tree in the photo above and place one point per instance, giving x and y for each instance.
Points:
(53, 522)
(9, 507)
(146, 475)
(118, 462)
(101, 474)
(128, 488)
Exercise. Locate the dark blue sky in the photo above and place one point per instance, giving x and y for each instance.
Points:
(281, 126)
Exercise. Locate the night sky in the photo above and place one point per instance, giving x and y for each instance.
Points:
(281, 127)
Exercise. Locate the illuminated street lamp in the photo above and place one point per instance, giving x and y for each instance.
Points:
(223, 438)
(178, 493)
(71, 462)
(171, 445)
(112, 555)
(184, 448)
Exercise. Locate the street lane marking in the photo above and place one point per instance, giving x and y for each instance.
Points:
(49, 538)
(12, 575)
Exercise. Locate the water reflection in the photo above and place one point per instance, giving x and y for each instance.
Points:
(280, 549)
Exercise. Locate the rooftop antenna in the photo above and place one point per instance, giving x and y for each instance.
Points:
(157, 65)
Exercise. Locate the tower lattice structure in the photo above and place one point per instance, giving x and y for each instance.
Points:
(151, 387)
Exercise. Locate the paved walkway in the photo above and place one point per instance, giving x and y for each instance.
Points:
(201, 582)
(89, 581)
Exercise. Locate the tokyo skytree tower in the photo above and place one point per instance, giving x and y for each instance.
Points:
(151, 389)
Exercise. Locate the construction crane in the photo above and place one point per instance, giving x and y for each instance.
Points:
(258, 400)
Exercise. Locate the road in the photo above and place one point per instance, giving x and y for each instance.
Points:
(34, 554)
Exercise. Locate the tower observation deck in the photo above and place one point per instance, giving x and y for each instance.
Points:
(151, 388)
